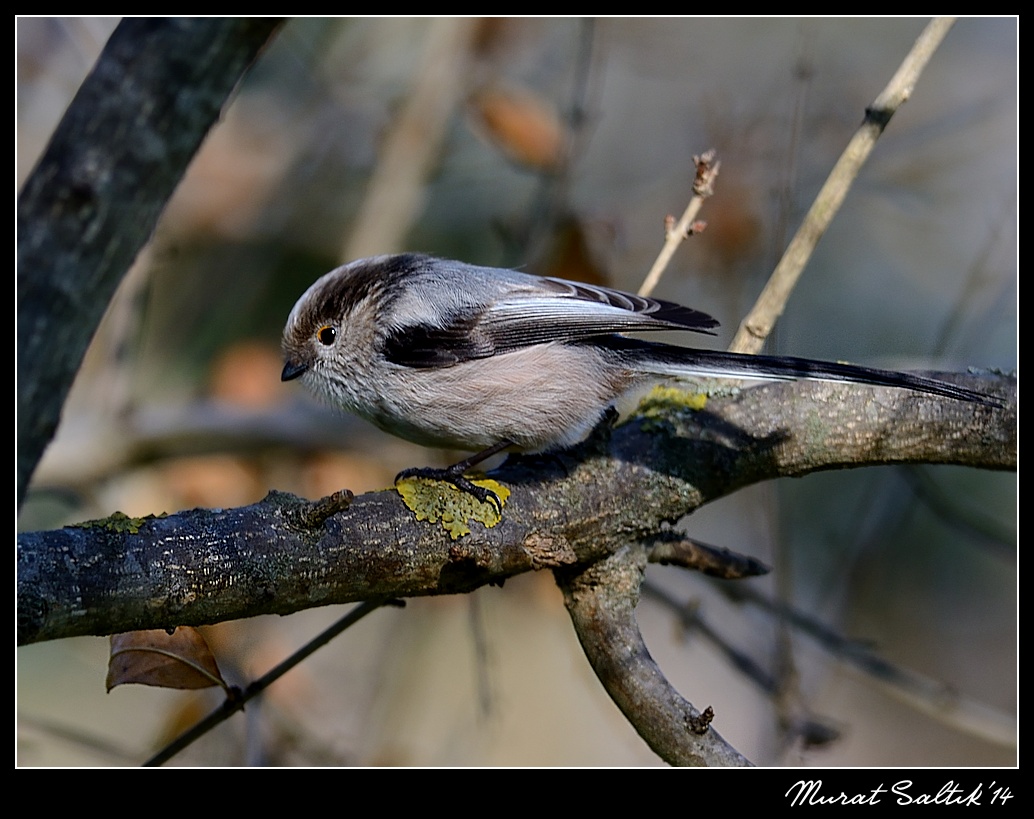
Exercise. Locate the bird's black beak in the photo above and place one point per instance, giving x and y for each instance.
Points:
(292, 369)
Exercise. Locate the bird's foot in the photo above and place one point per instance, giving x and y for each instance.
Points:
(455, 477)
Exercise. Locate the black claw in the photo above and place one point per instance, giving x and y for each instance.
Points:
(457, 479)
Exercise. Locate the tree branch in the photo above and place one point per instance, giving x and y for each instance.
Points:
(285, 554)
(601, 600)
(758, 323)
(94, 198)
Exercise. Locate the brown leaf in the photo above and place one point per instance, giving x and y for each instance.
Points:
(522, 125)
(178, 660)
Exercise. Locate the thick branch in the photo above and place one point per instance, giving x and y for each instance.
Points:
(282, 554)
(601, 600)
(95, 196)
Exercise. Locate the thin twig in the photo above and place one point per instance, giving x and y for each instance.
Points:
(758, 324)
(811, 729)
(674, 234)
(926, 695)
(233, 704)
(669, 547)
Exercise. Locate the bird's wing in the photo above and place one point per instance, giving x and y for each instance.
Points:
(536, 311)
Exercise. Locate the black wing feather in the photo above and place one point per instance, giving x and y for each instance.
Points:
(552, 310)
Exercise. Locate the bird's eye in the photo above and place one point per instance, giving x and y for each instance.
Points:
(326, 335)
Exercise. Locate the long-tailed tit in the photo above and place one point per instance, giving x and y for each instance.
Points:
(453, 355)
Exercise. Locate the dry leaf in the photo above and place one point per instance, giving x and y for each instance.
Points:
(178, 660)
(522, 125)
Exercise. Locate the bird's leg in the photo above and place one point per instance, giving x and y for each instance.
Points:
(454, 474)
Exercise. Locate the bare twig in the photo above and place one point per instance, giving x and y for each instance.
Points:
(810, 728)
(673, 548)
(675, 233)
(931, 697)
(758, 324)
(239, 699)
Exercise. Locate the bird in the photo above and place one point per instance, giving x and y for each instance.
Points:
(460, 356)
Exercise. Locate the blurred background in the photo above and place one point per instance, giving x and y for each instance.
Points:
(560, 146)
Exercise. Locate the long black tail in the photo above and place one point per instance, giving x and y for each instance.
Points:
(667, 359)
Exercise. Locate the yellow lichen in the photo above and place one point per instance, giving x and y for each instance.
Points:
(440, 501)
(662, 397)
(117, 522)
